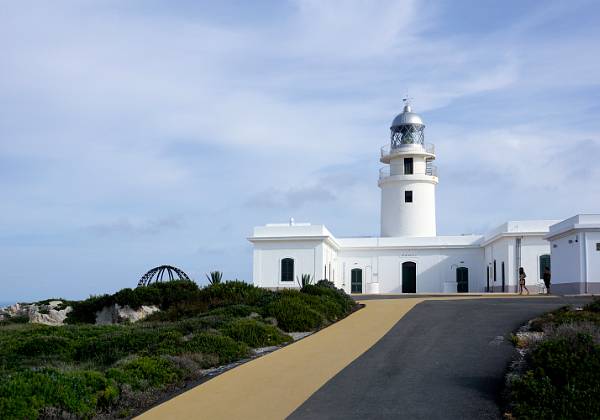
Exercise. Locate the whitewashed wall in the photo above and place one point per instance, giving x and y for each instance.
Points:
(434, 268)
(307, 255)
(593, 259)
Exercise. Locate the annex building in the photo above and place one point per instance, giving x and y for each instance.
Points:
(409, 257)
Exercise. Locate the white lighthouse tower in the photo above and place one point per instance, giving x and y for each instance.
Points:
(408, 183)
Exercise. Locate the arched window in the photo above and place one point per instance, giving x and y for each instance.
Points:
(544, 262)
(287, 269)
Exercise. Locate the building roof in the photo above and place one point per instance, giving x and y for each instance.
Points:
(518, 228)
(305, 231)
(578, 222)
(407, 117)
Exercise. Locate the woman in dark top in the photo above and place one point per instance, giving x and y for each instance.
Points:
(522, 277)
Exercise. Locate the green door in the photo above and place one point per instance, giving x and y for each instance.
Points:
(356, 280)
(409, 277)
(462, 279)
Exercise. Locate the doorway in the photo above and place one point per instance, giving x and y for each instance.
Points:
(409, 277)
(462, 279)
(356, 280)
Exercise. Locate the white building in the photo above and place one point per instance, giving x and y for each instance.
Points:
(408, 257)
(575, 245)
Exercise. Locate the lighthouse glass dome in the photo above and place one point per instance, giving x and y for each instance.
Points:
(407, 128)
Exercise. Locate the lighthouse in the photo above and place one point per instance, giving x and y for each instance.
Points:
(408, 180)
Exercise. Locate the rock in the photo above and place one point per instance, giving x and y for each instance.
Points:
(37, 314)
(271, 320)
(299, 335)
(115, 314)
(53, 317)
(254, 315)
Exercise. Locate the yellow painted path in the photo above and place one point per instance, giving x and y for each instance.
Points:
(274, 385)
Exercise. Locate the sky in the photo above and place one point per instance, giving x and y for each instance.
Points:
(141, 133)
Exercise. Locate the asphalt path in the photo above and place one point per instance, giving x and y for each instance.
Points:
(442, 360)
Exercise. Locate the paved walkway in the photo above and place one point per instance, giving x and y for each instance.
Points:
(273, 386)
(443, 359)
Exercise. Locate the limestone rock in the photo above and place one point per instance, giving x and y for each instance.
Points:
(115, 314)
(53, 317)
(37, 313)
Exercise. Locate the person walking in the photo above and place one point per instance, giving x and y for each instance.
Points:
(522, 277)
(546, 276)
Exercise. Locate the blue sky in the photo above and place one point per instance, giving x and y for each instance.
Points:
(138, 133)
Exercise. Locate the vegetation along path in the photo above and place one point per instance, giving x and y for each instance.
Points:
(419, 357)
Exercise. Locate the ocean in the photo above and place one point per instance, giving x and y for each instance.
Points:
(5, 303)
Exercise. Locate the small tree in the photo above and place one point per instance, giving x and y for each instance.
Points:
(306, 279)
(215, 277)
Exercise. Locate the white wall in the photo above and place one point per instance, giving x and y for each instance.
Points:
(501, 251)
(505, 249)
(592, 257)
(307, 255)
(434, 267)
(399, 218)
(565, 260)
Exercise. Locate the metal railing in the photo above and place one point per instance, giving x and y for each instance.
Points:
(430, 170)
(387, 150)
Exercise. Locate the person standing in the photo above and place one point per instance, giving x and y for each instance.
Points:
(546, 276)
(522, 277)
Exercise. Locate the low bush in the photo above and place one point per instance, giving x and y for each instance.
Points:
(293, 313)
(593, 306)
(21, 319)
(24, 394)
(235, 293)
(225, 348)
(254, 333)
(144, 372)
(564, 316)
(563, 381)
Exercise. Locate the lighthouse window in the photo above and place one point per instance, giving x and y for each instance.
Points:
(408, 166)
(408, 197)
(287, 269)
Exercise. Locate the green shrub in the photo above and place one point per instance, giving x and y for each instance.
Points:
(564, 316)
(22, 319)
(233, 311)
(593, 306)
(215, 277)
(23, 394)
(225, 348)
(293, 313)
(181, 310)
(46, 346)
(563, 381)
(235, 293)
(254, 333)
(144, 372)
(85, 311)
(326, 289)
